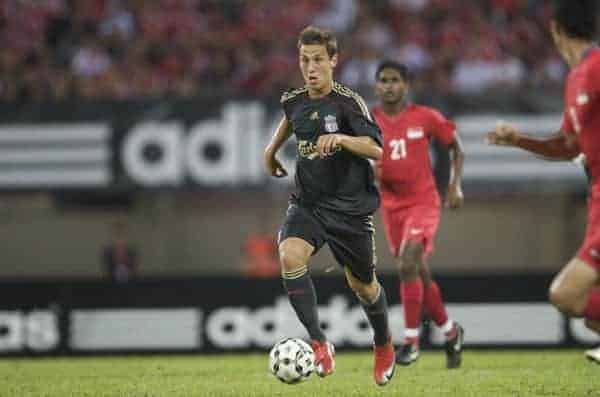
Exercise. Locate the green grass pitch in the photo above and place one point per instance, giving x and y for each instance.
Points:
(484, 374)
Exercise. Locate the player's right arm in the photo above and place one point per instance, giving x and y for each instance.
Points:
(559, 146)
(281, 135)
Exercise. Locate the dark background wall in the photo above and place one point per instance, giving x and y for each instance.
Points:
(204, 233)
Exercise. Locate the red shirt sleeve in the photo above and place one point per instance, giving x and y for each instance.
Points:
(566, 126)
(441, 128)
(582, 98)
(588, 94)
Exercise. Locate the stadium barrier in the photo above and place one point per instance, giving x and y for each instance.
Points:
(209, 315)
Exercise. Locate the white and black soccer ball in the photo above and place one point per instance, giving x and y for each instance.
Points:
(291, 360)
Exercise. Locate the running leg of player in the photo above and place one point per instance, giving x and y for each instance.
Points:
(374, 302)
(573, 293)
(571, 290)
(294, 254)
(411, 294)
(435, 308)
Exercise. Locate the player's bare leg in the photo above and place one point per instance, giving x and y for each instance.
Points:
(294, 254)
(374, 302)
(573, 293)
(570, 288)
(435, 308)
(411, 293)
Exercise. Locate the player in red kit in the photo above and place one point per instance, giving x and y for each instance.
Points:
(575, 291)
(411, 204)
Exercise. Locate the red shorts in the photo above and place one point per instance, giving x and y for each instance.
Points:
(417, 223)
(589, 252)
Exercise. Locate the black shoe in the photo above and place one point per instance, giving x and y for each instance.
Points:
(407, 354)
(454, 348)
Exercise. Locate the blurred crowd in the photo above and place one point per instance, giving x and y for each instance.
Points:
(55, 50)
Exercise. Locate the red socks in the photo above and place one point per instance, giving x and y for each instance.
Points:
(415, 297)
(592, 308)
(411, 293)
(434, 306)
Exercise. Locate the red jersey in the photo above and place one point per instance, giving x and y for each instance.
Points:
(406, 177)
(582, 111)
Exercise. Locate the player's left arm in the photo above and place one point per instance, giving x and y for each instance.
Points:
(455, 197)
(444, 131)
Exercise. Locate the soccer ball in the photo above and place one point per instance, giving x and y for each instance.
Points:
(291, 360)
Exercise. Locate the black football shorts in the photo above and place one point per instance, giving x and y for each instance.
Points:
(350, 238)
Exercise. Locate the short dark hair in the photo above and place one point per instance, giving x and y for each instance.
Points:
(389, 64)
(313, 35)
(578, 18)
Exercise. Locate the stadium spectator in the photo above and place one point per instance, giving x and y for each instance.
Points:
(338, 15)
(484, 68)
(56, 50)
(261, 258)
(119, 256)
(359, 71)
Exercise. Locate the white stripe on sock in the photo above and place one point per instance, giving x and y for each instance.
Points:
(447, 327)
(411, 332)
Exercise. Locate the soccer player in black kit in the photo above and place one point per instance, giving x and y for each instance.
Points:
(335, 196)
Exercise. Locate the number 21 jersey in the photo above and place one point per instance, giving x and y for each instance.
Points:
(405, 173)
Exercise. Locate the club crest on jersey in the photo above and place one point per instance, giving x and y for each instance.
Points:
(415, 133)
(314, 115)
(582, 99)
(331, 124)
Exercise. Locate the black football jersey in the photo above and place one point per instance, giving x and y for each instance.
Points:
(343, 181)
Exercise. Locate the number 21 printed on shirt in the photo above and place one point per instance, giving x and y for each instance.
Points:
(398, 149)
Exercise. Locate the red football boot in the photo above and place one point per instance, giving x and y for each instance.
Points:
(324, 357)
(385, 363)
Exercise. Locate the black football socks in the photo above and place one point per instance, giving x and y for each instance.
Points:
(377, 313)
(302, 295)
